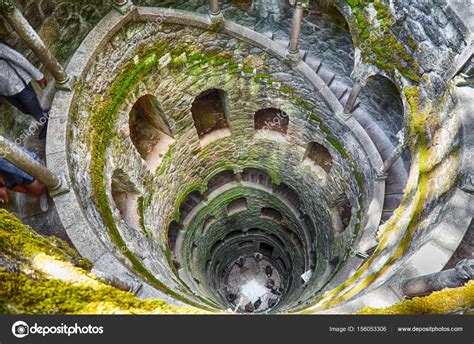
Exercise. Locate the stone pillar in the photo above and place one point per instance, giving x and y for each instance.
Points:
(293, 50)
(452, 278)
(215, 12)
(123, 6)
(238, 177)
(353, 97)
(394, 156)
(18, 22)
(23, 161)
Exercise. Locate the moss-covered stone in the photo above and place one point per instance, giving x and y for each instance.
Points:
(379, 42)
(40, 275)
(446, 301)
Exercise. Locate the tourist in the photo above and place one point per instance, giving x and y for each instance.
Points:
(272, 303)
(249, 307)
(268, 271)
(16, 73)
(231, 297)
(240, 262)
(257, 303)
(270, 283)
(15, 179)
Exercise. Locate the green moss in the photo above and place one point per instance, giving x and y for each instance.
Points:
(446, 301)
(141, 209)
(101, 122)
(337, 146)
(167, 159)
(195, 187)
(30, 290)
(262, 76)
(286, 89)
(379, 43)
(18, 240)
(247, 70)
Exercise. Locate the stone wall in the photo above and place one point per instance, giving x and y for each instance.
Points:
(189, 61)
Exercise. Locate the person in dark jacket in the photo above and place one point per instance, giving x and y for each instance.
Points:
(16, 74)
(249, 307)
(15, 179)
(257, 303)
(268, 271)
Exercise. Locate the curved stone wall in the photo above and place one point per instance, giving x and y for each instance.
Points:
(148, 215)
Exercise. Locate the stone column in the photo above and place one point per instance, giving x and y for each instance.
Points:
(123, 6)
(23, 161)
(394, 156)
(215, 12)
(18, 22)
(452, 278)
(353, 97)
(295, 31)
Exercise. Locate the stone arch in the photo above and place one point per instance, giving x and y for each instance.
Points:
(272, 119)
(387, 107)
(191, 201)
(319, 155)
(149, 130)
(236, 206)
(220, 179)
(255, 175)
(210, 112)
(173, 233)
(125, 196)
(271, 213)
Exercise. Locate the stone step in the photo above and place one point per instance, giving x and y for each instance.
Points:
(397, 178)
(268, 34)
(313, 62)
(282, 42)
(345, 97)
(326, 75)
(392, 201)
(381, 141)
(303, 54)
(386, 214)
(338, 88)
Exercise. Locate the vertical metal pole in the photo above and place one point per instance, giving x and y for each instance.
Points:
(394, 156)
(452, 278)
(296, 29)
(214, 8)
(352, 97)
(18, 22)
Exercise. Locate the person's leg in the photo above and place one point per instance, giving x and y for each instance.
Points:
(35, 189)
(4, 199)
(31, 103)
(16, 103)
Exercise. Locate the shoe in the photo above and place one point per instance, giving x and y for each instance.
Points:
(44, 201)
(43, 132)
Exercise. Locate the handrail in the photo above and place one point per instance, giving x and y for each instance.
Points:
(11, 152)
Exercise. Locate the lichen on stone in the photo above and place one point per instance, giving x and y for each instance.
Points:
(40, 275)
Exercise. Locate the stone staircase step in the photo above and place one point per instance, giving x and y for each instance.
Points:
(386, 214)
(391, 202)
(268, 34)
(282, 42)
(303, 54)
(326, 75)
(313, 62)
(338, 88)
